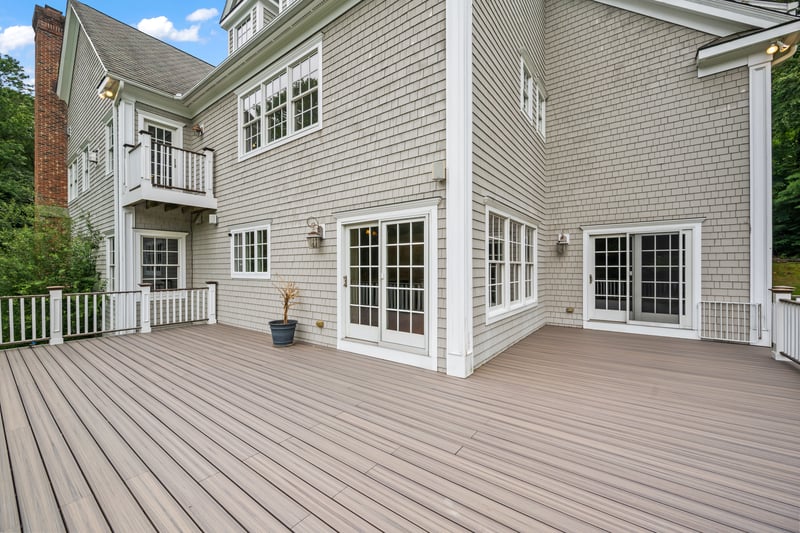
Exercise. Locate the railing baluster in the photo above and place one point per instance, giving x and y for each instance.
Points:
(11, 336)
(23, 328)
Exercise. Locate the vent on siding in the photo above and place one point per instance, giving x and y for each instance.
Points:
(254, 19)
(230, 41)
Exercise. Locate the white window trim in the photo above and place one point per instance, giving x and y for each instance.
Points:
(111, 282)
(146, 118)
(111, 147)
(508, 308)
(253, 275)
(425, 208)
(537, 97)
(139, 234)
(85, 179)
(662, 330)
(274, 71)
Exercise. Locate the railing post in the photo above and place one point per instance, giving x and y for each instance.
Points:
(56, 309)
(212, 302)
(778, 323)
(144, 308)
(208, 172)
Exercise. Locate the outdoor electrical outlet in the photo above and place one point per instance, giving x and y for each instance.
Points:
(570, 309)
(320, 324)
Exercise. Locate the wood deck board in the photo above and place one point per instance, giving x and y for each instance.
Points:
(211, 428)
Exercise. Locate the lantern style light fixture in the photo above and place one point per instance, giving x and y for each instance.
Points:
(108, 88)
(317, 233)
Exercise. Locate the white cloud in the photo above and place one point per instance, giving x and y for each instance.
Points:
(15, 37)
(162, 28)
(203, 14)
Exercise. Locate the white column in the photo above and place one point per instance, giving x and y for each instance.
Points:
(209, 172)
(212, 302)
(761, 185)
(459, 187)
(144, 308)
(56, 309)
(778, 295)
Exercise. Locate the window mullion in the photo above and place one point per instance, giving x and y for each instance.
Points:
(507, 263)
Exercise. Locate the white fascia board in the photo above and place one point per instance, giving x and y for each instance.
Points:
(132, 90)
(737, 53)
(286, 32)
(227, 24)
(715, 17)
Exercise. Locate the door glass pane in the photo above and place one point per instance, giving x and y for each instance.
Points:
(660, 284)
(364, 254)
(611, 273)
(160, 156)
(405, 286)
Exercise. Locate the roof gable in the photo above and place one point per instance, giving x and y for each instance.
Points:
(130, 54)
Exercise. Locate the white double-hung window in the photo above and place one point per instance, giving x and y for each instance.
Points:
(510, 264)
(250, 249)
(533, 97)
(284, 105)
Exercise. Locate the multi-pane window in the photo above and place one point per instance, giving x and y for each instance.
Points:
(250, 253)
(251, 120)
(110, 147)
(286, 103)
(161, 262)
(78, 175)
(243, 32)
(111, 264)
(510, 263)
(533, 99)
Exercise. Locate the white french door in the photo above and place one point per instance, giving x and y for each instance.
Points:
(641, 277)
(387, 282)
(161, 157)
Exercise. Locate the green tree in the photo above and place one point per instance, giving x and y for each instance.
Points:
(16, 133)
(786, 158)
(37, 245)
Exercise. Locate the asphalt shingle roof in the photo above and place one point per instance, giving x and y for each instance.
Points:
(134, 55)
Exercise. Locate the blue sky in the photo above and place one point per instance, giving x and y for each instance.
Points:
(191, 25)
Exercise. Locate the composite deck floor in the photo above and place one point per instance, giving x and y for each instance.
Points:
(210, 428)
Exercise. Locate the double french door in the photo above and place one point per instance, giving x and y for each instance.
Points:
(641, 277)
(161, 157)
(386, 282)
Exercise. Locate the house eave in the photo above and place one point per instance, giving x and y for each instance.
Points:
(715, 17)
(284, 33)
(717, 58)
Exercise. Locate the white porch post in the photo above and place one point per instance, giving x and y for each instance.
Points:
(144, 308)
(56, 307)
(209, 172)
(761, 185)
(212, 302)
(778, 295)
(459, 187)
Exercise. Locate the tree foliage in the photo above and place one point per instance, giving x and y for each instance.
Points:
(786, 158)
(37, 246)
(16, 133)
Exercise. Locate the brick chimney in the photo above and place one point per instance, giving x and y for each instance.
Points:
(50, 112)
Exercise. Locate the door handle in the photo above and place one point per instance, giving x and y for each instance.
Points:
(590, 279)
(344, 281)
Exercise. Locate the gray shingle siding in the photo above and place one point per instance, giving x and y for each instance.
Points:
(508, 153)
(383, 127)
(632, 139)
(87, 116)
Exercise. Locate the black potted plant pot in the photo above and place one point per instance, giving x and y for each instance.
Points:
(282, 334)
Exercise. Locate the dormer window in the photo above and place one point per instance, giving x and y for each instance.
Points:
(244, 30)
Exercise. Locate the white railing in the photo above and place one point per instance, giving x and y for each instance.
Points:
(56, 317)
(731, 321)
(786, 325)
(152, 163)
(24, 319)
(178, 306)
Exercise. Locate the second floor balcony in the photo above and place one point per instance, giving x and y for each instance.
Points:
(161, 173)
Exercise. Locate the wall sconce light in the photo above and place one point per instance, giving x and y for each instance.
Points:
(108, 88)
(93, 157)
(198, 130)
(317, 233)
(562, 241)
(776, 47)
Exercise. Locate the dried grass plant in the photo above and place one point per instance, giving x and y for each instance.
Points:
(289, 292)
